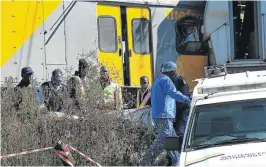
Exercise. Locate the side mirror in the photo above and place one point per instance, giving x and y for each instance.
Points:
(172, 143)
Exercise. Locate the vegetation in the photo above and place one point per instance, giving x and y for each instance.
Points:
(105, 136)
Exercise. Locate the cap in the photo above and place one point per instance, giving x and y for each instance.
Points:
(168, 66)
(26, 71)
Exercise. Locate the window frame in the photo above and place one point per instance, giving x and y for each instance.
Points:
(258, 35)
(197, 22)
(98, 28)
(132, 33)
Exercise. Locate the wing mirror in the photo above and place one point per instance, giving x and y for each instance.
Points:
(172, 143)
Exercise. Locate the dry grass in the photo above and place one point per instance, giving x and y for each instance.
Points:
(107, 138)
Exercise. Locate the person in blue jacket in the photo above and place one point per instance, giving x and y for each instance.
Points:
(163, 100)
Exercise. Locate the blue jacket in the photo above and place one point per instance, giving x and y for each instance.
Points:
(164, 96)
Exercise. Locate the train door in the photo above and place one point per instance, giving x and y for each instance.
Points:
(109, 40)
(139, 45)
(125, 42)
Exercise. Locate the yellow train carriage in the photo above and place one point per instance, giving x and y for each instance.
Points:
(132, 38)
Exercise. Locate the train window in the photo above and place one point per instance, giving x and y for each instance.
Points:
(141, 36)
(107, 34)
(188, 37)
(245, 31)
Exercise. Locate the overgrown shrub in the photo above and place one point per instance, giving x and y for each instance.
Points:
(105, 137)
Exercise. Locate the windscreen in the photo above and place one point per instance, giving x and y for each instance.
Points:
(224, 121)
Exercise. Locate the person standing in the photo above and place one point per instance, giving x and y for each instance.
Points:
(144, 93)
(77, 84)
(83, 70)
(55, 93)
(112, 91)
(163, 98)
(23, 91)
(182, 110)
(26, 74)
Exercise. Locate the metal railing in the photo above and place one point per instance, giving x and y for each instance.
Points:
(264, 35)
(215, 71)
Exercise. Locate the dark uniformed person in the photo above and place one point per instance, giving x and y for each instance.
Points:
(55, 93)
(182, 109)
(83, 69)
(26, 74)
(26, 85)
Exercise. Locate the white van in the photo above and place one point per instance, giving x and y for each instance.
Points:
(227, 122)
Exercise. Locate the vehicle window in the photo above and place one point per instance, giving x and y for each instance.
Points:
(217, 122)
(107, 34)
(141, 36)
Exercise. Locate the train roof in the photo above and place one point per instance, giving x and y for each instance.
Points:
(154, 2)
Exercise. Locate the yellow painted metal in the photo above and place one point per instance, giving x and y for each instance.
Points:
(20, 19)
(140, 65)
(113, 61)
(176, 15)
(191, 67)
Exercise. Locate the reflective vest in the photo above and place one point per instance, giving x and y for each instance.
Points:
(143, 100)
(109, 92)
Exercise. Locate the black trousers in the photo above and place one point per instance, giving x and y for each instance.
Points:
(176, 124)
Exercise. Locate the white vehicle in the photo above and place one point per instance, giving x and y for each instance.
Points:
(226, 126)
